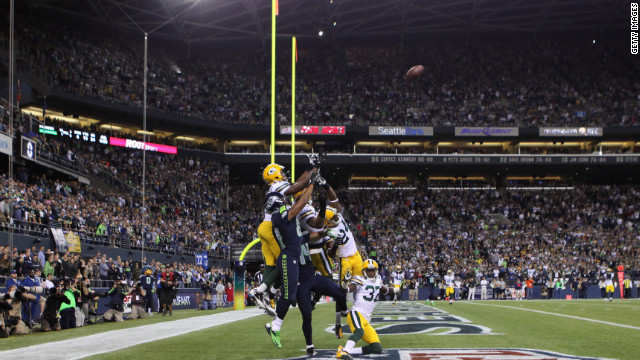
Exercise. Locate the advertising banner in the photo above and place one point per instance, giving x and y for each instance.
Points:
(486, 131)
(314, 130)
(401, 130)
(140, 145)
(570, 131)
(6, 144)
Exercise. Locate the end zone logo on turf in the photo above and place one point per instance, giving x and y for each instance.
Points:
(455, 354)
(412, 318)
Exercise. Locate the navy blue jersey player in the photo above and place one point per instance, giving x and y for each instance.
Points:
(286, 230)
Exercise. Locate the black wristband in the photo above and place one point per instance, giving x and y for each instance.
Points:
(309, 167)
(322, 212)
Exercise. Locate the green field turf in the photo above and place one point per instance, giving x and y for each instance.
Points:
(613, 333)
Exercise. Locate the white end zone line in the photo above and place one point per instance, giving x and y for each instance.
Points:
(561, 315)
(95, 344)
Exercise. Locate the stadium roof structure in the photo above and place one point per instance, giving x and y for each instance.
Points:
(202, 21)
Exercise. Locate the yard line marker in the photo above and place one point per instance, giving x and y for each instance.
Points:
(95, 344)
(561, 315)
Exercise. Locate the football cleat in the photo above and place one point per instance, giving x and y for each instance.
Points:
(256, 299)
(275, 335)
(311, 351)
(341, 354)
(338, 331)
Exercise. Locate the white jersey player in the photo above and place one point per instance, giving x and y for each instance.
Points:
(448, 284)
(366, 290)
(344, 246)
(397, 277)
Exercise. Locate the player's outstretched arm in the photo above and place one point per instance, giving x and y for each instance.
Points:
(318, 221)
(299, 205)
(309, 174)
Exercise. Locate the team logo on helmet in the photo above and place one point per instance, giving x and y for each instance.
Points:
(273, 173)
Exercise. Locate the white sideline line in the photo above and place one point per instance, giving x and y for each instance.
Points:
(561, 315)
(95, 344)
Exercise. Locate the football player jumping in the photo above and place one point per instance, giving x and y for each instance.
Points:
(274, 175)
(366, 290)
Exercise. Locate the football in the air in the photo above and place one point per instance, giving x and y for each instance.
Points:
(414, 73)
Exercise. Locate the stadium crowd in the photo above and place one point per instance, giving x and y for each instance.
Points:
(47, 274)
(480, 83)
(542, 235)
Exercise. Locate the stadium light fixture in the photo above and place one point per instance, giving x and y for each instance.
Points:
(185, 138)
(372, 143)
(111, 127)
(320, 33)
(144, 132)
(243, 142)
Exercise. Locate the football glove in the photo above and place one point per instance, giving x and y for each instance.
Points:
(320, 181)
(339, 237)
(313, 159)
(322, 155)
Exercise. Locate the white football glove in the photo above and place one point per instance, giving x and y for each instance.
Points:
(313, 159)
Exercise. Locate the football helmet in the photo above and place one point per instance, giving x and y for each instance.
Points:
(398, 268)
(273, 173)
(370, 264)
(330, 218)
(273, 201)
(449, 272)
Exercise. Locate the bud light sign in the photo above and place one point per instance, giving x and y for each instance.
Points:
(487, 131)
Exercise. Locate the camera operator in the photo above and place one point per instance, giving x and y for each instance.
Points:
(50, 317)
(166, 285)
(5, 306)
(207, 302)
(88, 296)
(116, 304)
(16, 297)
(68, 310)
(32, 312)
(137, 301)
(13, 280)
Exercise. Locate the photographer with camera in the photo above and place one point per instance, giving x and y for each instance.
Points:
(68, 310)
(207, 300)
(116, 304)
(137, 301)
(13, 323)
(33, 311)
(88, 296)
(50, 317)
(13, 280)
(5, 306)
